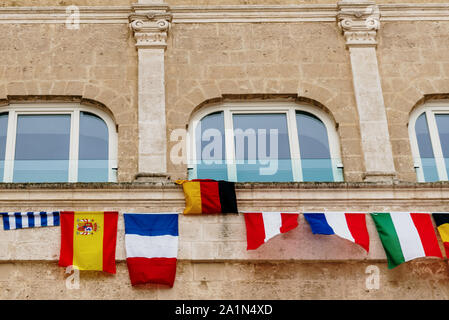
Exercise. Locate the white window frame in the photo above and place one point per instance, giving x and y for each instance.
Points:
(72, 109)
(430, 109)
(263, 107)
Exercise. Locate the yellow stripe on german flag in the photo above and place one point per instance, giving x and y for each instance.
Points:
(209, 196)
(442, 222)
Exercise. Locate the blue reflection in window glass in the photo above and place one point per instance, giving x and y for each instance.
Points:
(443, 131)
(425, 149)
(210, 147)
(314, 147)
(93, 164)
(42, 148)
(3, 131)
(262, 148)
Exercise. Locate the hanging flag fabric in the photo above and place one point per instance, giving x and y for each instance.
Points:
(262, 226)
(209, 196)
(88, 240)
(442, 222)
(20, 220)
(406, 236)
(151, 242)
(350, 226)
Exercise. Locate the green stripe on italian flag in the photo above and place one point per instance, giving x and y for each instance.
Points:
(406, 236)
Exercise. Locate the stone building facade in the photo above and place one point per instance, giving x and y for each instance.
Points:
(152, 65)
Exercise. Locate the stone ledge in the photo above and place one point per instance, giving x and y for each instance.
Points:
(169, 197)
(238, 185)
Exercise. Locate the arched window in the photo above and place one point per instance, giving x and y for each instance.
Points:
(429, 136)
(265, 142)
(57, 142)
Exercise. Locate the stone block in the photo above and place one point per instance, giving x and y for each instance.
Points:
(224, 232)
(208, 271)
(205, 250)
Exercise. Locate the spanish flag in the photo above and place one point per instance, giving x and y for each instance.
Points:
(442, 222)
(209, 196)
(88, 240)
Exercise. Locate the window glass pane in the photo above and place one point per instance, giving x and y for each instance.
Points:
(425, 149)
(42, 148)
(262, 148)
(443, 131)
(93, 154)
(314, 147)
(3, 131)
(210, 148)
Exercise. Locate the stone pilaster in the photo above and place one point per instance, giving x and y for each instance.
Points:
(150, 23)
(359, 22)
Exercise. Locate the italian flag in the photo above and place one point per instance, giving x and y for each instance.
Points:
(406, 236)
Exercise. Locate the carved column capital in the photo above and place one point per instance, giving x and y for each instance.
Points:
(359, 22)
(150, 25)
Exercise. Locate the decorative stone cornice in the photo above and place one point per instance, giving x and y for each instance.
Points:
(359, 22)
(150, 25)
(222, 13)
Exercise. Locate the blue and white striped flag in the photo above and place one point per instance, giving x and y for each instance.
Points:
(19, 220)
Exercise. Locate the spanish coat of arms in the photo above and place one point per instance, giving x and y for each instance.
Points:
(86, 226)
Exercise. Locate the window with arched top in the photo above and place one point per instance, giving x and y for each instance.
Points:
(263, 142)
(429, 137)
(57, 142)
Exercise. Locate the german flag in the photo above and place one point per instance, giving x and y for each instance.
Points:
(442, 222)
(209, 196)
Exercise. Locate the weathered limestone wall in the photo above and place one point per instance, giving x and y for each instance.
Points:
(97, 62)
(234, 280)
(203, 61)
(206, 61)
(413, 61)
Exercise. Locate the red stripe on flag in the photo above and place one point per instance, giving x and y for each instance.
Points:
(66, 253)
(210, 197)
(109, 241)
(255, 230)
(423, 224)
(289, 221)
(357, 226)
(152, 270)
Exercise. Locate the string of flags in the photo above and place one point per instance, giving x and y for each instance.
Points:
(88, 239)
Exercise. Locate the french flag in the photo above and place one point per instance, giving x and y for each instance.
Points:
(262, 226)
(151, 242)
(350, 226)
